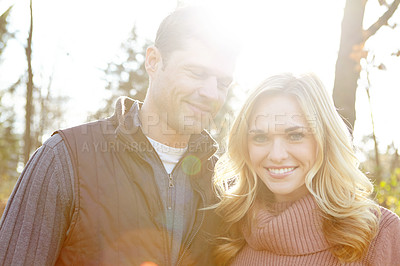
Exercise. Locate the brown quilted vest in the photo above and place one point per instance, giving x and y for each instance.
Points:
(118, 217)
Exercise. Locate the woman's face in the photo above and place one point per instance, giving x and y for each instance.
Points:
(282, 147)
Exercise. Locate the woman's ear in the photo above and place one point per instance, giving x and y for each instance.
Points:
(153, 60)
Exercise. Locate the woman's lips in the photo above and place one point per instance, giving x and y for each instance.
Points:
(280, 172)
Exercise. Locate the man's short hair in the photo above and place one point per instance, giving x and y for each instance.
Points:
(199, 23)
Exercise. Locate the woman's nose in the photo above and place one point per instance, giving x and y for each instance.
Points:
(278, 152)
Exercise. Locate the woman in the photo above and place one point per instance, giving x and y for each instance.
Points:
(291, 191)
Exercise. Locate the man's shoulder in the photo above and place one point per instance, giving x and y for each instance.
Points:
(91, 124)
(56, 147)
(102, 126)
(54, 141)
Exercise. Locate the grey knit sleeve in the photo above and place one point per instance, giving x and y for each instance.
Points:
(36, 219)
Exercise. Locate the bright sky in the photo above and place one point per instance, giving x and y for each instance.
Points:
(73, 41)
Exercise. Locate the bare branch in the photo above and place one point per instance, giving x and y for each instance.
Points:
(396, 53)
(383, 20)
(383, 3)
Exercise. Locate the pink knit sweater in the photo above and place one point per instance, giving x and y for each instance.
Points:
(294, 237)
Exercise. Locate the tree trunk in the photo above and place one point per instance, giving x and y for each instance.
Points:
(29, 95)
(348, 62)
(353, 38)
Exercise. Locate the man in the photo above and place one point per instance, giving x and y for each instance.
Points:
(130, 189)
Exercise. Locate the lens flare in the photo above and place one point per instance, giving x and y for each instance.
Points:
(191, 165)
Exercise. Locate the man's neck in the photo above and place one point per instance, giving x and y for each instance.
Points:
(168, 139)
(158, 130)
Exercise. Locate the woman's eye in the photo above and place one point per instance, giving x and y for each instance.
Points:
(259, 138)
(296, 136)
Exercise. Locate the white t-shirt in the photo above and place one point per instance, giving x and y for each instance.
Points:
(169, 156)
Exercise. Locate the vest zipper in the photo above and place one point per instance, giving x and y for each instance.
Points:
(166, 252)
(170, 188)
(197, 230)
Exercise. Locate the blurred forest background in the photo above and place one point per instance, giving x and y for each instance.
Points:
(45, 110)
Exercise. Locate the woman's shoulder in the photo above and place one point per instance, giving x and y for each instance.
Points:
(389, 225)
(384, 248)
(388, 219)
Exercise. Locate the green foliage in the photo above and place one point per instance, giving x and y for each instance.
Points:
(2, 206)
(9, 152)
(388, 192)
(9, 144)
(6, 186)
(5, 35)
(386, 175)
(126, 76)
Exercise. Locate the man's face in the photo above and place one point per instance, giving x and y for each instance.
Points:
(190, 88)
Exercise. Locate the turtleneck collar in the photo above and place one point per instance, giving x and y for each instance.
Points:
(288, 228)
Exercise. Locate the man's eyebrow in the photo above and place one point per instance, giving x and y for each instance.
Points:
(209, 71)
(186, 66)
(194, 66)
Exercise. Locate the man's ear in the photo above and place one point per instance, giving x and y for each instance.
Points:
(153, 60)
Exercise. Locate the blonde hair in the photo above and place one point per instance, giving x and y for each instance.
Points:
(340, 189)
